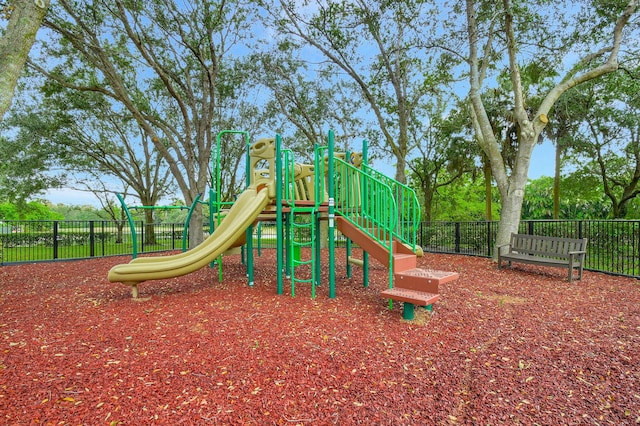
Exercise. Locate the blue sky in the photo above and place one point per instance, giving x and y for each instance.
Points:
(542, 161)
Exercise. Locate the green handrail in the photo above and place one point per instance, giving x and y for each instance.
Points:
(365, 201)
(408, 207)
(368, 203)
(216, 170)
(216, 205)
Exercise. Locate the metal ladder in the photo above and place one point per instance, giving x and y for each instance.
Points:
(302, 236)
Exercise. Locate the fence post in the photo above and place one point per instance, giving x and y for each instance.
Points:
(489, 245)
(92, 239)
(142, 236)
(580, 229)
(55, 239)
(457, 228)
(530, 227)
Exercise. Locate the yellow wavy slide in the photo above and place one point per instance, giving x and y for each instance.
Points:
(243, 213)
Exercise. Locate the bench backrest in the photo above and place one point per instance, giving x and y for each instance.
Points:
(546, 246)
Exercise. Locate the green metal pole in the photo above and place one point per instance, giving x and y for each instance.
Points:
(314, 243)
(185, 231)
(318, 251)
(279, 242)
(211, 213)
(318, 190)
(363, 198)
(349, 203)
(259, 236)
(249, 231)
(288, 252)
(331, 214)
(348, 255)
(132, 226)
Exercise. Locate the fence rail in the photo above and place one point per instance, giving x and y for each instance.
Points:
(614, 245)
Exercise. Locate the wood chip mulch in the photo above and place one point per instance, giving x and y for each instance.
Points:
(511, 346)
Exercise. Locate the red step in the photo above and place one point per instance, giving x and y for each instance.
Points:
(418, 279)
(403, 262)
(411, 285)
(414, 297)
(417, 287)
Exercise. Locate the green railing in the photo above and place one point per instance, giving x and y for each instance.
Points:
(408, 207)
(288, 167)
(367, 202)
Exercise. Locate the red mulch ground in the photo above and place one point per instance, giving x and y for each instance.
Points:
(520, 346)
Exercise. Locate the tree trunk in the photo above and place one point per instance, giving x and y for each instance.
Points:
(401, 166)
(15, 44)
(512, 194)
(149, 228)
(556, 182)
(119, 231)
(428, 201)
(196, 235)
(487, 189)
(511, 211)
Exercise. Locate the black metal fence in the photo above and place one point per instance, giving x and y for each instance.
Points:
(37, 241)
(614, 245)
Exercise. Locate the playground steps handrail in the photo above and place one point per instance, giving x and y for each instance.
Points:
(366, 202)
(409, 212)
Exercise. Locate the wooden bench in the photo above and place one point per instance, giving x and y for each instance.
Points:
(417, 287)
(565, 253)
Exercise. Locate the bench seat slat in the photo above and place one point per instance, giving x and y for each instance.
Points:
(541, 260)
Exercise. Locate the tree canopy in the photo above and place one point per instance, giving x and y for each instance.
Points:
(516, 34)
(396, 72)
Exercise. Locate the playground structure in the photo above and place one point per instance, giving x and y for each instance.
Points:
(339, 191)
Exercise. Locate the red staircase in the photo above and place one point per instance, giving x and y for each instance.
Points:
(411, 285)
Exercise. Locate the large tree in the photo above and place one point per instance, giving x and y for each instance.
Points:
(549, 35)
(305, 102)
(26, 162)
(607, 145)
(379, 46)
(170, 65)
(24, 20)
(445, 153)
(95, 144)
